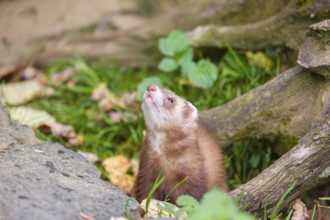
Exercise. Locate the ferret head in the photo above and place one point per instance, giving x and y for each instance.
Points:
(163, 109)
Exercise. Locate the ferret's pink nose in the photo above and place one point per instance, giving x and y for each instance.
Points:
(151, 88)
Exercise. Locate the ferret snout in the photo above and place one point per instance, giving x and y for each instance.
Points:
(152, 88)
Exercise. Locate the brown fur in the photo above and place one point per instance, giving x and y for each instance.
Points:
(191, 152)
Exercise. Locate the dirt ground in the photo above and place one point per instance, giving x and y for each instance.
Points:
(25, 24)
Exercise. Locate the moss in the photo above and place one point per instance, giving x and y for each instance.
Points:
(303, 4)
(283, 143)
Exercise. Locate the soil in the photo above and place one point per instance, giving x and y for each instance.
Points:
(25, 23)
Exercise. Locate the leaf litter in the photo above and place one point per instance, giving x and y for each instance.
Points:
(25, 83)
(117, 168)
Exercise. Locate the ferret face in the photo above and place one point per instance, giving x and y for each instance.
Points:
(163, 109)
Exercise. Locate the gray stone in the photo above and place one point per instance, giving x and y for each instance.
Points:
(22, 134)
(49, 181)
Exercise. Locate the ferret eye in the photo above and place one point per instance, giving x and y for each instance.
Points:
(170, 99)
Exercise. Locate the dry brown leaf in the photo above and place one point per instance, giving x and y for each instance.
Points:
(75, 141)
(102, 94)
(7, 70)
(22, 92)
(117, 164)
(129, 98)
(154, 211)
(89, 156)
(30, 117)
(135, 166)
(64, 76)
(117, 167)
(30, 72)
(125, 182)
(259, 59)
(41, 119)
(319, 212)
(117, 117)
(299, 210)
(19, 72)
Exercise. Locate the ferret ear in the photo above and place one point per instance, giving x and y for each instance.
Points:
(190, 113)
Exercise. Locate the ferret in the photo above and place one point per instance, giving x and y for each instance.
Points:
(177, 145)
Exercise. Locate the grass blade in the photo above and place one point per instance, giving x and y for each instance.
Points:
(157, 183)
(176, 186)
(273, 215)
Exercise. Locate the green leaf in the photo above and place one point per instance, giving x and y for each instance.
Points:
(167, 65)
(185, 56)
(175, 43)
(166, 47)
(218, 205)
(215, 205)
(170, 208)
(153, 80)
(206, 74)
(179, 40)
(243, 216)
(187, 203)
(188, 68)
(254, 160)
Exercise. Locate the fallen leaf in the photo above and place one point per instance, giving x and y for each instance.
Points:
(135, 166)
(105, 105)
(102, 94)
(116, 167)
(115, 116)
(126, 183)
(46, 122)
(64, 76)
(20, 72)
(259, 59)
(129, 98)
(22, 92)
(89, 156)
(6, 70)
(30, 72)
(75, 141)
(154, 211)
(299, 210)
(30, 117)
(319, 212)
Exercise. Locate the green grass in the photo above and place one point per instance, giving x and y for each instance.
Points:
(72, 105)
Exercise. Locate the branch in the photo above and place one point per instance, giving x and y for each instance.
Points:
(284, 107)
(296, 103)
(308, 163)
(286, 28)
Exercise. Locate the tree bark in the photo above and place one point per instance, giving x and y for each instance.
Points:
(294, 105)
(285, 107)
(308, 163)
(286, 28)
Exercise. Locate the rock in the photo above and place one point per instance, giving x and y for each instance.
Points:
(22, 134)
(315, 52)
(49, 181)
